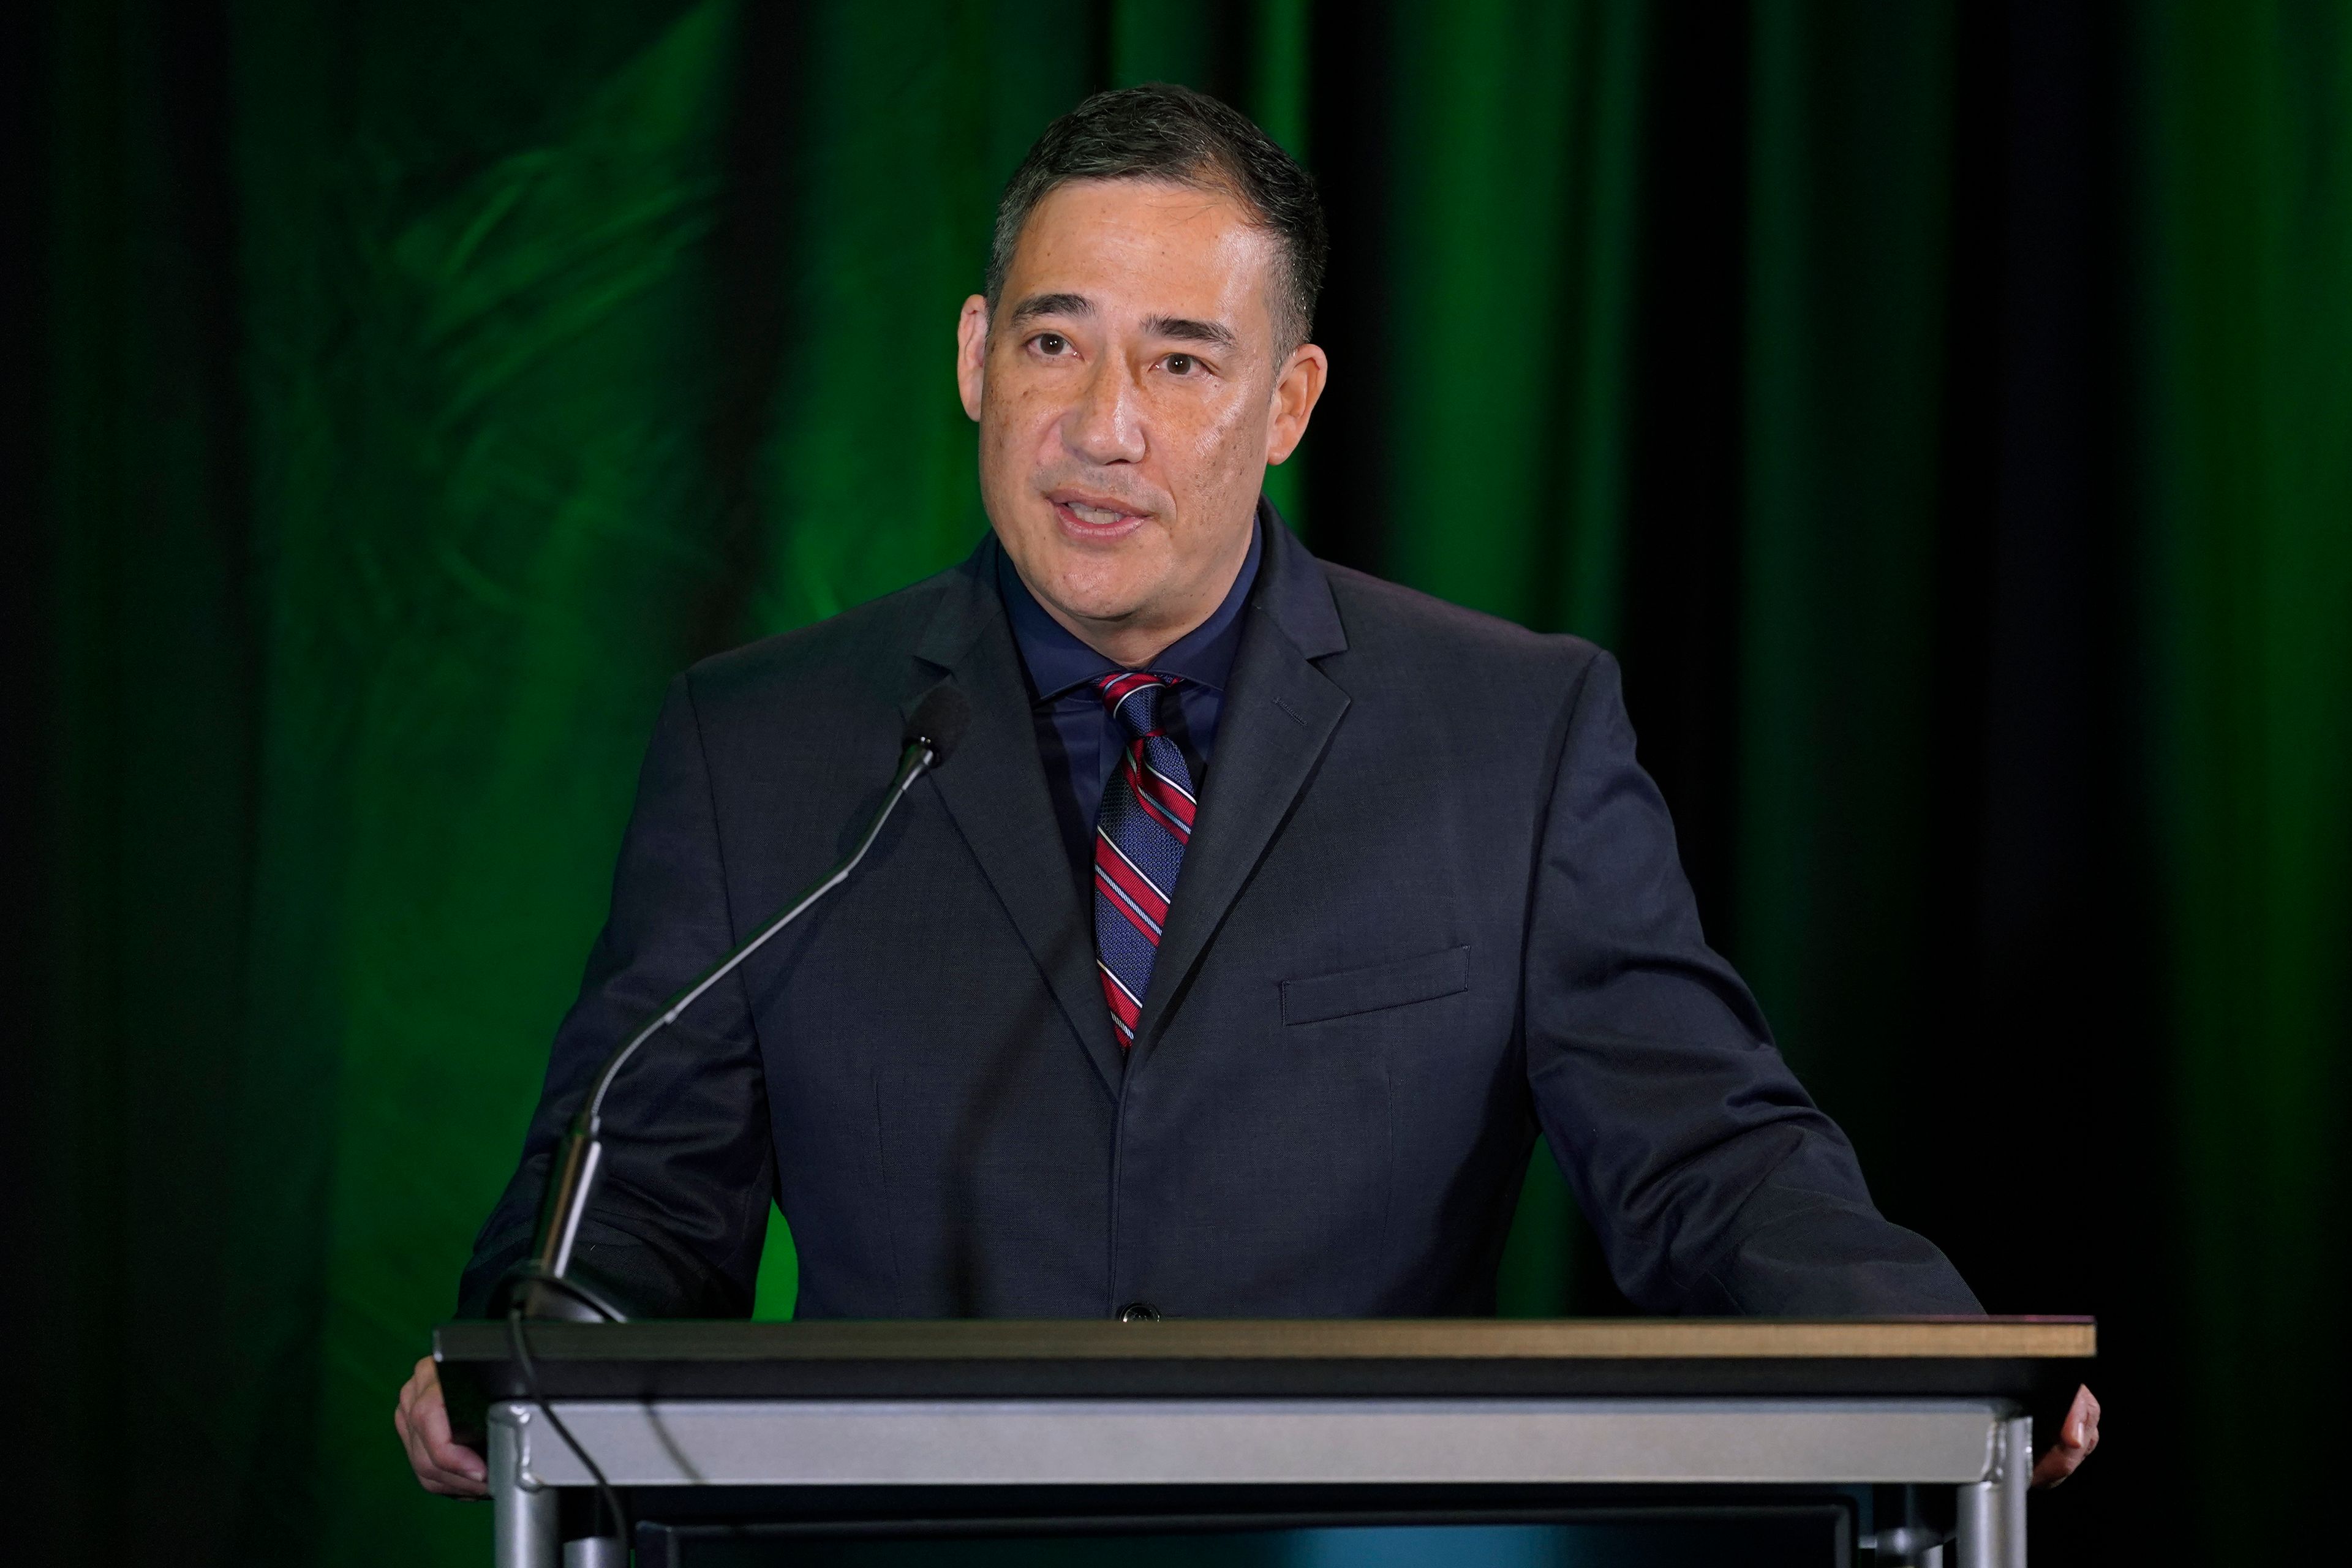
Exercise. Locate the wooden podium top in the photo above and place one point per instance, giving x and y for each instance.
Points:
(2029, 1360)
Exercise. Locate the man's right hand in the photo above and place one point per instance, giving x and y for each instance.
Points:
(441, 1464)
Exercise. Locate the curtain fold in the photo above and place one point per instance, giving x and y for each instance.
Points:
(2250, 571)
(1850, 152)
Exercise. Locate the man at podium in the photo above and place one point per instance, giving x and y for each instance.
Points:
(1262, 918)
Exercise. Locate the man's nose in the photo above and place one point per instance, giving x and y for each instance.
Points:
(1105, 425)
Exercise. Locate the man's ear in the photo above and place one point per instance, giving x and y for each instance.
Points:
(971, 353)
(1296, 392)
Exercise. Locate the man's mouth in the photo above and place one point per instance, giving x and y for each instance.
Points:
(1089, 514)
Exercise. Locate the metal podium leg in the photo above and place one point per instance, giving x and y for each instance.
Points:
(523, 1517)
(2017, 1476)
(1990, 1519)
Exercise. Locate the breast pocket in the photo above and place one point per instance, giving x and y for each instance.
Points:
(1376, 986)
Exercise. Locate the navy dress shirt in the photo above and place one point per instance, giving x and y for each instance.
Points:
(1076, 738)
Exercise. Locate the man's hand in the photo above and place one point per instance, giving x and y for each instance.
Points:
(2077, 1436)
(441, 1464)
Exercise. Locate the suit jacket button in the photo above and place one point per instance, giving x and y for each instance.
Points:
(1138, 1312)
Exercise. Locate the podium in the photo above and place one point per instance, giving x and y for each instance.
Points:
(1911, 1439)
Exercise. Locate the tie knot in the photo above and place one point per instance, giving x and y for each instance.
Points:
(1133, 698)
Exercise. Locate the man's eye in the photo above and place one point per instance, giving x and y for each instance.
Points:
(1180, 364)
(1051, 343)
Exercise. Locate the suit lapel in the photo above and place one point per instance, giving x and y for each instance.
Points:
(994, 787)
(1279, 718)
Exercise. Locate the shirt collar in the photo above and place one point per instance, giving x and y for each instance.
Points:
(1057, 661)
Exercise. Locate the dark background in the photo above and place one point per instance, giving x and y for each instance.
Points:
(1943, 410)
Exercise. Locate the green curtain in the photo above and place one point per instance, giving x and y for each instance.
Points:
(1512, 149)
(1850, 165)
(2250, 580)
(425, 384)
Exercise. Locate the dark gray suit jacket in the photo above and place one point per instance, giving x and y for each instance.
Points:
(1433, 905)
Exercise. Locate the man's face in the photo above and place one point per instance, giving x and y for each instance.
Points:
(1130, 398)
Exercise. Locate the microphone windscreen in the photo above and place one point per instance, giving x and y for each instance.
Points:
(939, 721)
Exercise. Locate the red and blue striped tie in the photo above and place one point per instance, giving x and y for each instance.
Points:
(1140, 838)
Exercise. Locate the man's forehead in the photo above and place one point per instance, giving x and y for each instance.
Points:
(1090, 244)
(1165, 200)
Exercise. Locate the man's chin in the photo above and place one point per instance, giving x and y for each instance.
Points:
(1098, 612)
(1094, 589)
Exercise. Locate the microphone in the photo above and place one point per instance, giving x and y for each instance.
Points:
(539, 1286)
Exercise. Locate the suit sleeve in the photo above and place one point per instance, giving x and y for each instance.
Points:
(1715, 1182)
(680, 1210)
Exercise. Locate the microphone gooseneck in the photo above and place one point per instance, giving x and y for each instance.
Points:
(932, 730)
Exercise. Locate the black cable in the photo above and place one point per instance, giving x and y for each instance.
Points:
(612, 1499)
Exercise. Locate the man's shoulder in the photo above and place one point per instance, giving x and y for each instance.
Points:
(1389, 625)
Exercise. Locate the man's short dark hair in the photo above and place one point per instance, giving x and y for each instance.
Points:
(1173, 135)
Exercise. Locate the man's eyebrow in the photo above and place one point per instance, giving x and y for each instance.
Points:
(1038, 305)
(1185, 329)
